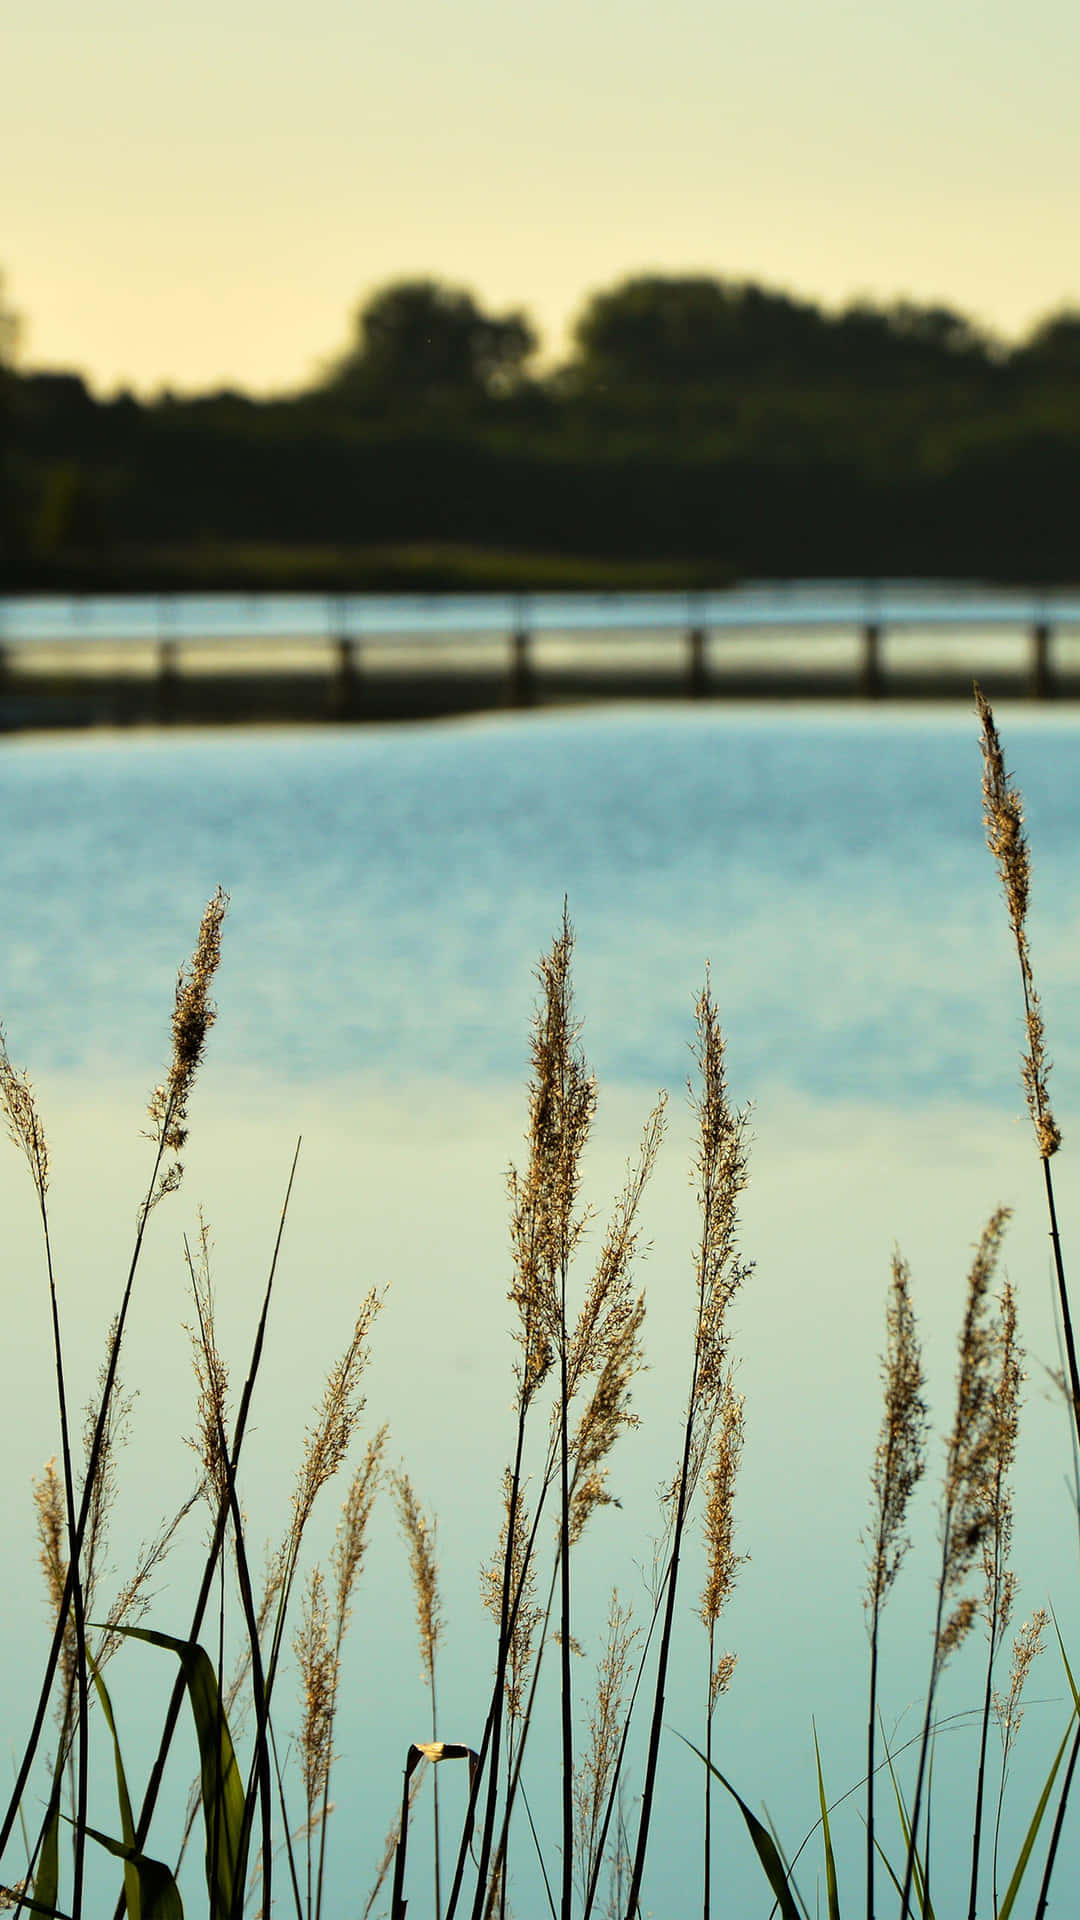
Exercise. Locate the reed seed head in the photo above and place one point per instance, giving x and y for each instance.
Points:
(350, 1543)
(722, 1562)
(317, 1664)
(722, 1171)
(1009, 1710)
(1000, 1582)
(194, 1014)
(52, 1536)
(522, 1589)
(1003, 814)
(900, 1458)
(210, 1440)
(23, 1121)
(419, 1534)
(970, 1469)
(328, 1441)
(594, 1778)
(606, 1415)
(545, 1227)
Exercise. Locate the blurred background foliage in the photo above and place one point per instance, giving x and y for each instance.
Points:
(700, 428)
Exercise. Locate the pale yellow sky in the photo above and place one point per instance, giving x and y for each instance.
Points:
(200, 198)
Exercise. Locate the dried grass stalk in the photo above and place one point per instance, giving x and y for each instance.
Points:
(1003, 813)
(595, 1776)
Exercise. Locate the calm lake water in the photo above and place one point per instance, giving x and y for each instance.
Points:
(390, 893)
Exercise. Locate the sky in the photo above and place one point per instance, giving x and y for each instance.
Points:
(203, 197)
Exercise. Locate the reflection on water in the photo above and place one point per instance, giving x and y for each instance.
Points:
(390, 894)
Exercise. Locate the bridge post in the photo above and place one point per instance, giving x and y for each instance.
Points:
(168, 680)
(871, 681)
(522, 683)
(344, 700)
(1041, 684)
(696, 680)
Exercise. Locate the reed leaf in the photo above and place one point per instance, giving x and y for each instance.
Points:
(47, 1877)
(1032, 1834)
(132, 1890)
(159, 1894)
(764, 1845)
(222, 1787)
(826, 1836)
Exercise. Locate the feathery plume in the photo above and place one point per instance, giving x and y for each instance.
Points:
(52, 1553)
(23, 1122)
(350, 1544)
(328, 1441)
(722, 1563)
(1009, 1711)
(606, 1415)
(722, 1168)
(1003, 813)
(315, 1659)
(114, 1433)
(194, 1014)
(419, 1534)
(209, 1443)
(521, 1584)
(595, 1776)
(544, 1230)
(971, 1455)
(900, 1458)
(1000, 1582)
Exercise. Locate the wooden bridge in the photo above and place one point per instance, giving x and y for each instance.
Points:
(230, 658)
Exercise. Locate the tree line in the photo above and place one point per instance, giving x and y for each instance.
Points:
(699, 423)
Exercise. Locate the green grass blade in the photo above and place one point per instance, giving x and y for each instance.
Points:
(222, 1787)
(905, 1827)
(1032, 1834)
(158, 1892)
(47, 1877)
(127, 1824)
(764, 1845)
(1065, 1662)
(830, 1857)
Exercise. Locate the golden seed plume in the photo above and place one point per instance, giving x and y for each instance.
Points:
(971, 1454)
(900, 1457)
(103, 1492)
(52, 1553)
(317, 1664)
(1003, 813)
(328, 1441)
(544, 1226)
(999, 1581)
(606, 1415)
(194, 1014)
(419, 1534)
(594, 1777)
(1028, 1645)
(722, 1561)
(523, 1586)
(722, 1167)
(350, 1543)
(609, 1300)
(23, 1122)
(210, 1440)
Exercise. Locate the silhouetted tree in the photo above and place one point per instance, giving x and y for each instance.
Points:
(654, 330)
(420, 338)
(1054, 345)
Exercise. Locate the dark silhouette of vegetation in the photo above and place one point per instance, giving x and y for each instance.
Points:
(699, 424)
